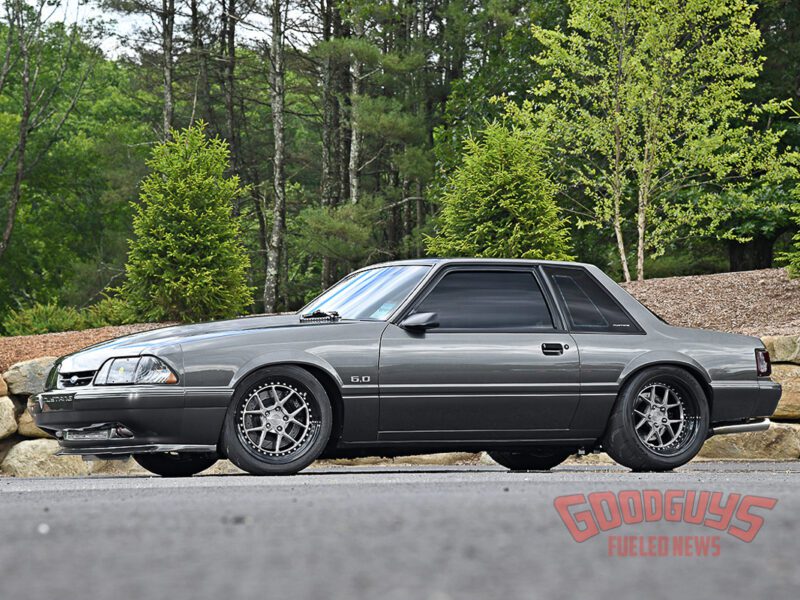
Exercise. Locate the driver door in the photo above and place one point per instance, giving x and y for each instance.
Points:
(495, 368)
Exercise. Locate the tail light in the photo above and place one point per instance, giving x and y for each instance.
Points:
(763, 365)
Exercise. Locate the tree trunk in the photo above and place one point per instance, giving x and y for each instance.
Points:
(343, 89)
(617, 187)
(199, 50)
(420, 219)
(22, 140)
(19, 173)
(229, 20)
(752, 255)
(332, 189)
(355, 132)
(623, 257)
(167, 27)
(645, 190)
(330, 112)
(278, 178)
(641, 229)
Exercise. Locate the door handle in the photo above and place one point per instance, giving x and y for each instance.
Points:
(552, 349)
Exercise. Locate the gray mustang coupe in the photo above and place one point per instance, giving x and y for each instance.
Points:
(529, 360)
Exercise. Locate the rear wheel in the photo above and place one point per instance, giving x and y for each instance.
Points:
(536, 459)
(176, 464)
(278, 423)
(660, 421)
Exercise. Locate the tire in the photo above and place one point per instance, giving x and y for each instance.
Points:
(660, 420)
(175, 464)
(542, 458)
(278, 422)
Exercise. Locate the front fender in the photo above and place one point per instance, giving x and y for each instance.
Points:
(283, 356)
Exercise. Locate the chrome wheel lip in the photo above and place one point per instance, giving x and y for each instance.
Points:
(275, 420)
(663, 419)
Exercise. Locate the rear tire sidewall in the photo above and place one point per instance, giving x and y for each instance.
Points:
(622, 442)
(248, 459)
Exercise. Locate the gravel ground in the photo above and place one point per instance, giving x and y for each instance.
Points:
(763, 302)
(23, 347)
(428, 533)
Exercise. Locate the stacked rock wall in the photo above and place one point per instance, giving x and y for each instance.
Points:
(27, 451)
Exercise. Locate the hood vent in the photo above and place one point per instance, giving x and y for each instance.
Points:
(320, 316)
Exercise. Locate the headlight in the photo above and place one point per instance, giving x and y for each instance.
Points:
(135, 370)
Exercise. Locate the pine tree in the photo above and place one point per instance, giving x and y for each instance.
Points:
(186, 262)
(500, 203)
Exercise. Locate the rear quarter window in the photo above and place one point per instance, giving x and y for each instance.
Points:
(589, 307)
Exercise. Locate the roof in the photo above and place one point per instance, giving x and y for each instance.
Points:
(489, 261)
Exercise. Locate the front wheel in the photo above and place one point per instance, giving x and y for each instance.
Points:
(535, 459)
(175, 464)
(660, 421)
(278, 423)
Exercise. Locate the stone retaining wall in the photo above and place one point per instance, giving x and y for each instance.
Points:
(782, 441)
(27, 451)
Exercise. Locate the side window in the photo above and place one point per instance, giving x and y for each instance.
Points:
(495, 300)
(589, 306)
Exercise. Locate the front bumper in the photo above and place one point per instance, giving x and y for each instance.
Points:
(109, 421)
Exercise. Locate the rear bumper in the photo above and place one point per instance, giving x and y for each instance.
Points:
(740, 401)
(769, 394)
(136, 419)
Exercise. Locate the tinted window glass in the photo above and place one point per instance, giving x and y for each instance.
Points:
(505, 300)
(589, 307)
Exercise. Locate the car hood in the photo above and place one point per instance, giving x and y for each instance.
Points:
(92, 358)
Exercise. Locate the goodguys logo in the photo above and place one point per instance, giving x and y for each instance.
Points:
(737, 515)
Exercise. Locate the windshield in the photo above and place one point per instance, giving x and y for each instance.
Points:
(372, 294)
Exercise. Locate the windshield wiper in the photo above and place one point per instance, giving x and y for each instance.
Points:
(321, 315)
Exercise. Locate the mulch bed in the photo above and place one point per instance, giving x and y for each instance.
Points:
(757, 303)
(18, 348)
(752, 302)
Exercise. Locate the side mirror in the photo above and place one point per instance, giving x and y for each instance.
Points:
(420, 321)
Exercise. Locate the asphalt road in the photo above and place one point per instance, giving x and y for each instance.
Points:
(380, 533)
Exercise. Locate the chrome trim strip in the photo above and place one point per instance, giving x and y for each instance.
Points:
(457, 395)
(361, 386)
(761, 425)
(735, 383)
(488, 386)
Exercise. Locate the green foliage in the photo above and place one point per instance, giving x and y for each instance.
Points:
(645, 101)
(695, 116)
(500, 34)
(43, 318)
(500, 202)
(111, 310)
(52, 318)
(73, 220)
(186, 262)
(791, 258)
